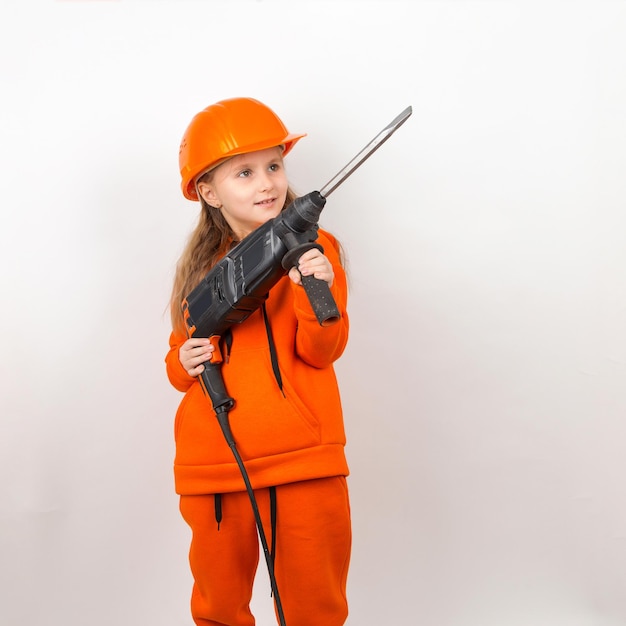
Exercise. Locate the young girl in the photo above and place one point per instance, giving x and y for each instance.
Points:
(287, 418)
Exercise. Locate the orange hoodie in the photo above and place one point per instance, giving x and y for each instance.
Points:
(283, 436)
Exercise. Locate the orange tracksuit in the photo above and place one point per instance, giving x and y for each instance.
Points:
(288, 425)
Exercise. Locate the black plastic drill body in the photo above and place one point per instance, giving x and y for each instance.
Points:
(240, 283)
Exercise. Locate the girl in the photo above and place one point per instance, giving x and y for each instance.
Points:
(287, 419)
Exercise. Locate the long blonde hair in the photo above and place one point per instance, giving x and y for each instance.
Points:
(208, 243)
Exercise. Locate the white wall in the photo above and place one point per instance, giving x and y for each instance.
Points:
(484, 384)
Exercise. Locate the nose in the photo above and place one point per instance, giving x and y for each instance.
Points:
(265, 182)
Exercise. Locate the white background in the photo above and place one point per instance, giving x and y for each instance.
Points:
(484, 383)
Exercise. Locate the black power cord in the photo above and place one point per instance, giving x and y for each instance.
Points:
(222, 418)
(213, 385)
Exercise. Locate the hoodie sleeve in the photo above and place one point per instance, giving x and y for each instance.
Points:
(320, 345)
(174, 368)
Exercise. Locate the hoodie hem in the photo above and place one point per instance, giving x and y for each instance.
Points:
(319, 462)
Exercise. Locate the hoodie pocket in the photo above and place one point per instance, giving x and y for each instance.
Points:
(266, 420)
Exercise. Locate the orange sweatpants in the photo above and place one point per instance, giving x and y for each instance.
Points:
(313, 541)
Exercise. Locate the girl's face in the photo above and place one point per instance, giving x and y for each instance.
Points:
(249, 189)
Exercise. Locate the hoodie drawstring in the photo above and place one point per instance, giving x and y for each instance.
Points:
(273, 509)
(273, 354)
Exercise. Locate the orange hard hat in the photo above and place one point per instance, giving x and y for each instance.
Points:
(226, 129)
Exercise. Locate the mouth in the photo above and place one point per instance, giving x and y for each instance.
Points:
(266, 202)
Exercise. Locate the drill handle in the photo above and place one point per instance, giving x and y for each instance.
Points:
(317, 290)
(212, 383)
(321, 299)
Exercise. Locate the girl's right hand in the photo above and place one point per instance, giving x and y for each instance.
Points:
(193, 353)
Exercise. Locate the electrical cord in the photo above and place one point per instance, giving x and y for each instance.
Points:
(222, 418)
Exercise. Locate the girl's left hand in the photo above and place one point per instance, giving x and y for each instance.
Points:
(313, 263)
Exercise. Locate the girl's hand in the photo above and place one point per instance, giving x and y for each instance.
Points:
(313, 263)
(193, 353)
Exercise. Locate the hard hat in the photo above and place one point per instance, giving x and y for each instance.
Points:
(226, 129)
